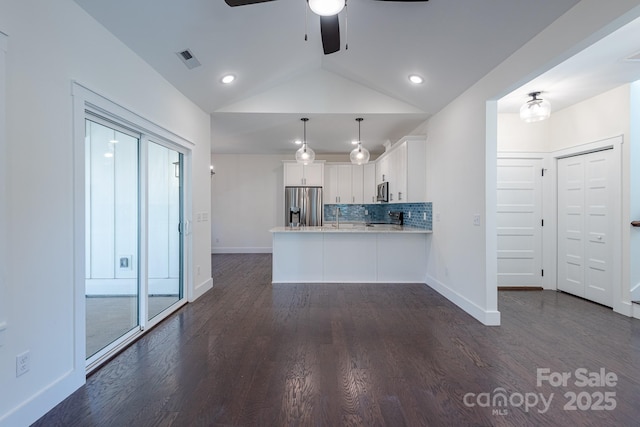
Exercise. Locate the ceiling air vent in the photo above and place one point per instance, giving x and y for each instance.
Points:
(189, 60)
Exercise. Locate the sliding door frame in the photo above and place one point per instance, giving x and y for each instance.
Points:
(84, 101)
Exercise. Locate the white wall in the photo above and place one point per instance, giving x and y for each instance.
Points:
(53, 43)
(594, 119)
(463, 150)
(514, 135)
(247, 199)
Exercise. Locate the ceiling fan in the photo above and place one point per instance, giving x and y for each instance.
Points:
(328, 11)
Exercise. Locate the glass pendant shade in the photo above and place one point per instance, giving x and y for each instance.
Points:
(359, 155)
(305, 154)
(326, 7)
(535, 109)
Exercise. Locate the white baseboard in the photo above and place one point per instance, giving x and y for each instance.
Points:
(635, 310)
(241, 250)
(488, 318)
(200, 289)
(44, 400)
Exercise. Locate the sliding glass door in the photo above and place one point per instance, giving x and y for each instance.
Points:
(112, 230)
(134, 249)
(165, 173)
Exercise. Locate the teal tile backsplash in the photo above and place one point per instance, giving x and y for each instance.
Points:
(379, 212)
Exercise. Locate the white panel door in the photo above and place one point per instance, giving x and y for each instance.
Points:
(519, 226)
(585, 225)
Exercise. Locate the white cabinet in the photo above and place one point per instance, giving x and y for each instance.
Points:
(330, 184)
(297, 174)
(343, 184)
(404, 168)
(382, 169)
(357, 181)
(369, 183)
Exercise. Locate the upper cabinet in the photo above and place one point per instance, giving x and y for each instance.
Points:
(404, 168)
(343, 184)
(297, 174)
(369, 183)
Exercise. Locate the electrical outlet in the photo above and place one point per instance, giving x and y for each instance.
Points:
(409, 214)
(476, 219)
(366, 211)
(23, 363)
(424, 216)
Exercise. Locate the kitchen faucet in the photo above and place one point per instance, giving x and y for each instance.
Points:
(337, 217)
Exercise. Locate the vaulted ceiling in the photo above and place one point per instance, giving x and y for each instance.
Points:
(280, 77)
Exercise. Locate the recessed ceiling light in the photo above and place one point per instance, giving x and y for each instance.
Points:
(229, 78)
(415, 79)
(297, 142)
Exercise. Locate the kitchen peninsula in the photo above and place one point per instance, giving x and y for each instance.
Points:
(350, 253)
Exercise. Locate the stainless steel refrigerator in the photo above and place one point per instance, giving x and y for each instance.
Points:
(302, 206)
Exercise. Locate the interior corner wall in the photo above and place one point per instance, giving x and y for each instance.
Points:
(247, 200)
(41, 296)
(459, 143)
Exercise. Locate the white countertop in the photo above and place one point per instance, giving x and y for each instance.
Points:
(352, 228)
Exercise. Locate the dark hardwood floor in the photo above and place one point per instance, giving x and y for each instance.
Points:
(249, 353)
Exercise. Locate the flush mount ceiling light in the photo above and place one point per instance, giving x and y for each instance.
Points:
(416, 79)
(229, 78)
(535, 109)
(305, 154)
(359, 155)
(326, 7)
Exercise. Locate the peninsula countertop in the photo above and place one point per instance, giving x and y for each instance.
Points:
(353, 228)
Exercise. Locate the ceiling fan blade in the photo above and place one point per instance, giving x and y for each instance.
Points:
(330, 32)
(234, 3)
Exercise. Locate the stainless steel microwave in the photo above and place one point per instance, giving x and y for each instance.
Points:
(383, 192)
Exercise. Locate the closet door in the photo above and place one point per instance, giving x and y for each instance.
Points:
(585, 202)
(519, 222)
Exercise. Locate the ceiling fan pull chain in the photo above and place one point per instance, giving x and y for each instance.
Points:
(306, 9)
(346, 26)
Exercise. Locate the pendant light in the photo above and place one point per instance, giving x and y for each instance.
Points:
(305, 154)
(359, 155)
(326, 7)
(535, 109)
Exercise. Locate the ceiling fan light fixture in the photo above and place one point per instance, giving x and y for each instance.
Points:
(326, 7)
(305, 154)
(535, 109)
(359, 155)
